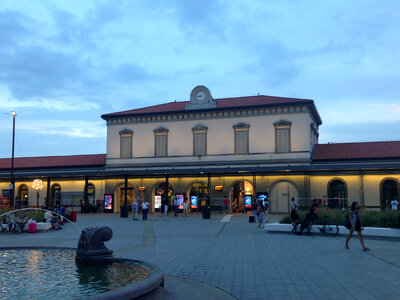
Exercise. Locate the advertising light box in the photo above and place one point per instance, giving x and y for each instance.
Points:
(180, 199)
(193, 201)
(108, 202)
(157, 201)
(247, 201)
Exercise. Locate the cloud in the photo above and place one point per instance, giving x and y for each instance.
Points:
(71, 128)
(352, 112)
(13, 27)
(7, 102)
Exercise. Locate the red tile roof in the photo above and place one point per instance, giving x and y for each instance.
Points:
(54, 161)
(222, 103)
(355, 151)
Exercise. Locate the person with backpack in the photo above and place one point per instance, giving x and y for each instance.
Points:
(355, 225)
(260, 213)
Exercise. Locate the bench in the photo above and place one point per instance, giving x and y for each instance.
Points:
(41, 226)
(368, 231)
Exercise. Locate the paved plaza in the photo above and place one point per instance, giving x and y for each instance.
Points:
(226, 257)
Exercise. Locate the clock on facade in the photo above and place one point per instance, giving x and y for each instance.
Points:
(200, 96)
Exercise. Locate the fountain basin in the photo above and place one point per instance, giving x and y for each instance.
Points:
(48, 273)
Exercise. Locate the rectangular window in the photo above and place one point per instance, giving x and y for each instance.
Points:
(200, 140)
(161, 145)
(282, 140)
(241, 141)
(126, 146)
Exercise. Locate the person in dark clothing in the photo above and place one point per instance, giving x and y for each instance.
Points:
(309, 220)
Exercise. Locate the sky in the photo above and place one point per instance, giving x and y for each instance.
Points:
(65, 63)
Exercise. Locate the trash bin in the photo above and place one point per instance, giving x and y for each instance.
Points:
(206, 212)
(124, 211)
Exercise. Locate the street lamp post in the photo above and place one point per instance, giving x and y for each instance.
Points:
(37, 184)
(12, 186)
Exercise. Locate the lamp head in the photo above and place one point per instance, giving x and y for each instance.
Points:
(14, 113)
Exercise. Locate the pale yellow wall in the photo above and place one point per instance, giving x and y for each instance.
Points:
(66, 186)
(220, 135)
(319, 186)
(372, 186)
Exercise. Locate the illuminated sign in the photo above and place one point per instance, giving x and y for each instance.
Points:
(180, 199)
(219, 188)
(142, 188)
(193, 201)
(157, 201)
(108, 202)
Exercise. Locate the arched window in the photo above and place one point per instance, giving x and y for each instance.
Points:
(337, 194)
(389, 192)
(55, 194)
(22, 200)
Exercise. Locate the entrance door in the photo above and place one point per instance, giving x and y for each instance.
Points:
(120, 196)
(239, 190)
(281, 194)
(197, 193)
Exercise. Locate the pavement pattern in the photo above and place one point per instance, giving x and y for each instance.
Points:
(226, 257)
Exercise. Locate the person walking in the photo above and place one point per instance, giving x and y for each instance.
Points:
(260, 213)
(356, 225)
(395, 204)
(185, 207)
(294, 204)
(145, 209)
(165, 204)
(135, 210)
(226, 203)
(235, 205)
(176, 203)
(266, 209)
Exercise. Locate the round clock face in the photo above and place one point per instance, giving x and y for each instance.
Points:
(200, 96)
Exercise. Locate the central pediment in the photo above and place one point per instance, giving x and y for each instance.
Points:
(200, 98)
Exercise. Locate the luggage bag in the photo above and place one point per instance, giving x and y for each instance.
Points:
(32, 227)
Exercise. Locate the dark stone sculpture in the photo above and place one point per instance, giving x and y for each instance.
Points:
(91, 244)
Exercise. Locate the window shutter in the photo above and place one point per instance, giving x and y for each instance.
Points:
(241, 141)
(282, 140)
(161, 145)
(126, 146)
(199, 143)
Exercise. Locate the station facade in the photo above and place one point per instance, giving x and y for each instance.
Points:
(211, 149)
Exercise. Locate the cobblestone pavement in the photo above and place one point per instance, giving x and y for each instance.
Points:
(241, 259)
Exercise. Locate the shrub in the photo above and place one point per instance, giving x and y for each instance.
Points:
(386, 218)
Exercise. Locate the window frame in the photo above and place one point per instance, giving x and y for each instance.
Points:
(283, 125)
(126, 134)
(161, 131)
(199, 130)
(241, 127)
